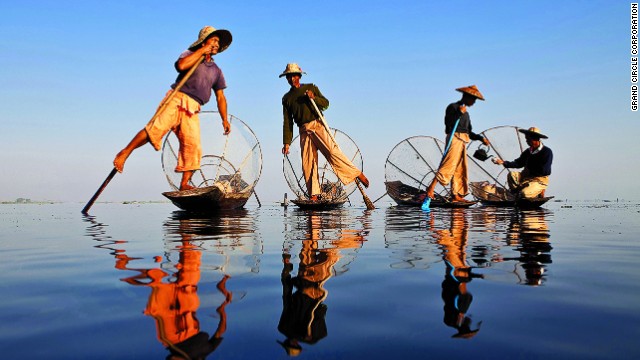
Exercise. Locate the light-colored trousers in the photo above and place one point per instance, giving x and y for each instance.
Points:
(529, 187)
(181, 117)
(314, 137)
(454, 166)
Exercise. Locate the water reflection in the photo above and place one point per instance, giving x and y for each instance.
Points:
(491, 244)
(405, 229)
(529, 234)
(327, 243)
(192, 245)
(457, 298)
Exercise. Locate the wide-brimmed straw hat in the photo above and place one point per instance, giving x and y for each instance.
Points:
(471, 90)
(292, 68)
(209, 31)
(533, 132)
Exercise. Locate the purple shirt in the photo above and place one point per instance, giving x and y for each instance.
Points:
(207, 76)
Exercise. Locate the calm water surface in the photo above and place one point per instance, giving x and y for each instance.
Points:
(144, 281)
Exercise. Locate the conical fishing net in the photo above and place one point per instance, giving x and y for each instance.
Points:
(232, 163)
(330, 185)
(488, 180)
(412, 165)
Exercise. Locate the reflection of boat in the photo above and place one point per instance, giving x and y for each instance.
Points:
(408, 195)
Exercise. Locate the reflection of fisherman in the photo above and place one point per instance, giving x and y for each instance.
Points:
(303, 310)
(174, 305)
(454, 287)
(531, 230)
(533, 180)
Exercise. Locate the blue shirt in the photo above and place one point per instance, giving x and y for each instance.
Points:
(207, 77)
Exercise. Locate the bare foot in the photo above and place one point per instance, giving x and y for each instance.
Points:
(119, 161)
(186, 187)
(363, 179)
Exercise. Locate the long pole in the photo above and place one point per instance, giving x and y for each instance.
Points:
(161, 108)
(367, 202)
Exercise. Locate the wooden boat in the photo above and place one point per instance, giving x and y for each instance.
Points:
(207, 199)
(491, 195)
(407, 195)
(228, 172)
(523, 203)
(318, 205)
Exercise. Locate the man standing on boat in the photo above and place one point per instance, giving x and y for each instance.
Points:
(533, 180)
(297, 107)
(181, 113)
(453, 167)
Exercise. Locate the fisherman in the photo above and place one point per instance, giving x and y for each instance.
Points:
(297, 107)
(533, 180)
(181, 114)
(453, 167)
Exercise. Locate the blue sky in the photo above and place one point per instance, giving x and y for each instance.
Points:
(79, 78)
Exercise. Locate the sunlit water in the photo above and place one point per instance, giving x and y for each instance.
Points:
(144, 281)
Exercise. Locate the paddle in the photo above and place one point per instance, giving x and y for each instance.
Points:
(427, 200)
(367, 202)
(161, 108)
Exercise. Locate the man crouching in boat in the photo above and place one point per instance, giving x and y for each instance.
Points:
(533, 180)
(181, 114)
(297, 107)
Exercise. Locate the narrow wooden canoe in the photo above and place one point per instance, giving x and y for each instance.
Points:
(407, 195)
(523, 203)
(318, 205)
(207, 199)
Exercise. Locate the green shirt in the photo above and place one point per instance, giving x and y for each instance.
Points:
(297, 107)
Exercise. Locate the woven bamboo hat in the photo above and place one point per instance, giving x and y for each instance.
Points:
(292, 68)
(209, 31)
(533, 132)
(471, 90)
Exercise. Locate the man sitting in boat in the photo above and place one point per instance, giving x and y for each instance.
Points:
(297, 107)
(533, 180)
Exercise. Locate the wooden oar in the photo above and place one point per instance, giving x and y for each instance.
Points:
(367, 202)
(161, 108)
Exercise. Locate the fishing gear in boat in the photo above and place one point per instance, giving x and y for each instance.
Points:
(230, 168)
(488, 181)
(333, 192)
(409, 169)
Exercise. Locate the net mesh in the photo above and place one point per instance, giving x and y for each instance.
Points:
(330, 185)
(414, 161)
(489, 181)
(412, 165)
(231, 162)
